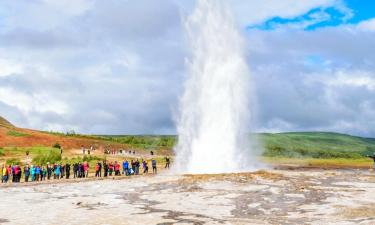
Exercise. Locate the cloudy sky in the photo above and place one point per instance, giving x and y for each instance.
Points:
(118, 66)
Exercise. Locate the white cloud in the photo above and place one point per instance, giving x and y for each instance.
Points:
(367, 25)
(118, 66)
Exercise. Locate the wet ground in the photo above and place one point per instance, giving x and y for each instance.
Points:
(299, 196)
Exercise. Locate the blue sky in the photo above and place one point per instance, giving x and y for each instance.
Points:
(119, 66)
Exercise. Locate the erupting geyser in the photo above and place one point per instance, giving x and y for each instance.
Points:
(213, 126)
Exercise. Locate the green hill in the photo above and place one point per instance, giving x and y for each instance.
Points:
(295, 145)
(317, 145)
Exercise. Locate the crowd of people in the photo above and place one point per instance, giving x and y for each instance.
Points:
(56, 171)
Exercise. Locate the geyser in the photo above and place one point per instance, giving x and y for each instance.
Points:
(213, 125)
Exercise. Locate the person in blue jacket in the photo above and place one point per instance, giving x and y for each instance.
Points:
(32, 173)
(57, 172)
(125, 167)
(37, 173)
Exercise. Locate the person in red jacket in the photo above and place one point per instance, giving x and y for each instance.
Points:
(86, 169)
(110, 168)
(117, 169)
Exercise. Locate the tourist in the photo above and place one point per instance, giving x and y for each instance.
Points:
(4, 174)
(37, 173)
(62, 169)
(137, 165)
(75, 170)
(57, 172)
(49, 171)
(145, 166)
(110, 167)
(67, 170)
(133, 165)
(117, 169)
(80, 170)
(32, 170)
(105, 165)
(17, 173)
(167, 162)
(83, 150)
(44, 172)
(125, 167)
(97, 169)
(154, 169)
(86, 169)
(100, 169)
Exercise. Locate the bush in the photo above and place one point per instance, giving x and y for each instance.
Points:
(91, 158)
(56, 145)
(51, 156)
(13, 161)
(1, 151)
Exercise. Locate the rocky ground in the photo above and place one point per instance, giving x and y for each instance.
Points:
(284, 196)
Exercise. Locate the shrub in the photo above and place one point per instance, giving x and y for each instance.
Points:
(1, 151)
(91, 158)
(51, 156)
(56, 145)
(13, 161)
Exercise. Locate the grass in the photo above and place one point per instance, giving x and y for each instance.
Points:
(322, 163)
(15, 133)
(51, 155)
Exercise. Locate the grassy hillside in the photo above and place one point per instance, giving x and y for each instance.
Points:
(317, 145)
(295, 145)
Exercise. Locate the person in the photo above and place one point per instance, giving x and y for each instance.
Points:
(13, 173)
(4, 174)
(97, 169)
(125, 167)
(100, 169)
(62, 170)
(16, 173)
(67, 170)
(105, 165)
(133, 165)
(86, 169)
(83, 150)
(32, 170)
(117, 168)
(57, 171)
(49, 171)
(167, 162)
(110, 167)
(37, 173)
(145, 166)
(80, 170)
(373, 158)
(137, 165)
(44, 171)
(75, 170)
(154, 169)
